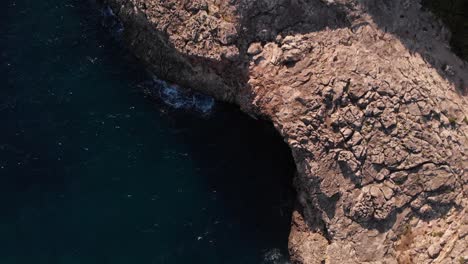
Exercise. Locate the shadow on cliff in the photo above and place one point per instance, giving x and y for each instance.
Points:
(256, 188)
(419, 31)
(416, 28)
(289, 17)
(454, 13)
(423, 33)
(284, 17)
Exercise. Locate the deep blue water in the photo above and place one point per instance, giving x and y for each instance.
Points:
(92, 171)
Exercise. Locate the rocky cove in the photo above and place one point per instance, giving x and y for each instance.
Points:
(368, 96)
(101, 162)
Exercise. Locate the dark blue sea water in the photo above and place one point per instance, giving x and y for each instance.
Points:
(92, 171)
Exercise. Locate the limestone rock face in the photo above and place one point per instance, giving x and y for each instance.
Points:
(368, 96)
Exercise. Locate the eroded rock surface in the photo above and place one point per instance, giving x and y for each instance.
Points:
(366, 93)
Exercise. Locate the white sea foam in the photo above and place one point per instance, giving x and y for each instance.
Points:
(111, 22)
(180, 98)
(173, 96)
(274, 256)
(170, 94)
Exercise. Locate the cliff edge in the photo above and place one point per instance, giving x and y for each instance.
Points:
(367, 94)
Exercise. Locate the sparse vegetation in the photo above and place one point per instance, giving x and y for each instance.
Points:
(407, 229)
(462, 260)
(452, 120)
(405, 238)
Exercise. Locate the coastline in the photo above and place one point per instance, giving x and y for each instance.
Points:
(379, 138)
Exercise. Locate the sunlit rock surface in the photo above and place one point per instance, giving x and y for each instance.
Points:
(367, 94)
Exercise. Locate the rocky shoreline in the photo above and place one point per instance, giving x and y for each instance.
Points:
(367, 94)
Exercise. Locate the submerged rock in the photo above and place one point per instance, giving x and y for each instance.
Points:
(361, 92)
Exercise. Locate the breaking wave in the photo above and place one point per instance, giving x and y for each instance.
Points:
(179, 98)
(111, 22)
(274, 256)
(171, 94)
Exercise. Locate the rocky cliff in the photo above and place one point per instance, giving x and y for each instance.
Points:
(367, 94)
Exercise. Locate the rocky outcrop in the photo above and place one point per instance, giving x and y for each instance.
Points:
(368, 96)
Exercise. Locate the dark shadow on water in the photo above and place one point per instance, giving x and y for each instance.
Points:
(417, 31)
(92, 172)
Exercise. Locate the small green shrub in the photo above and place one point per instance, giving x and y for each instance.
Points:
(462, 260)
(452, 120)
